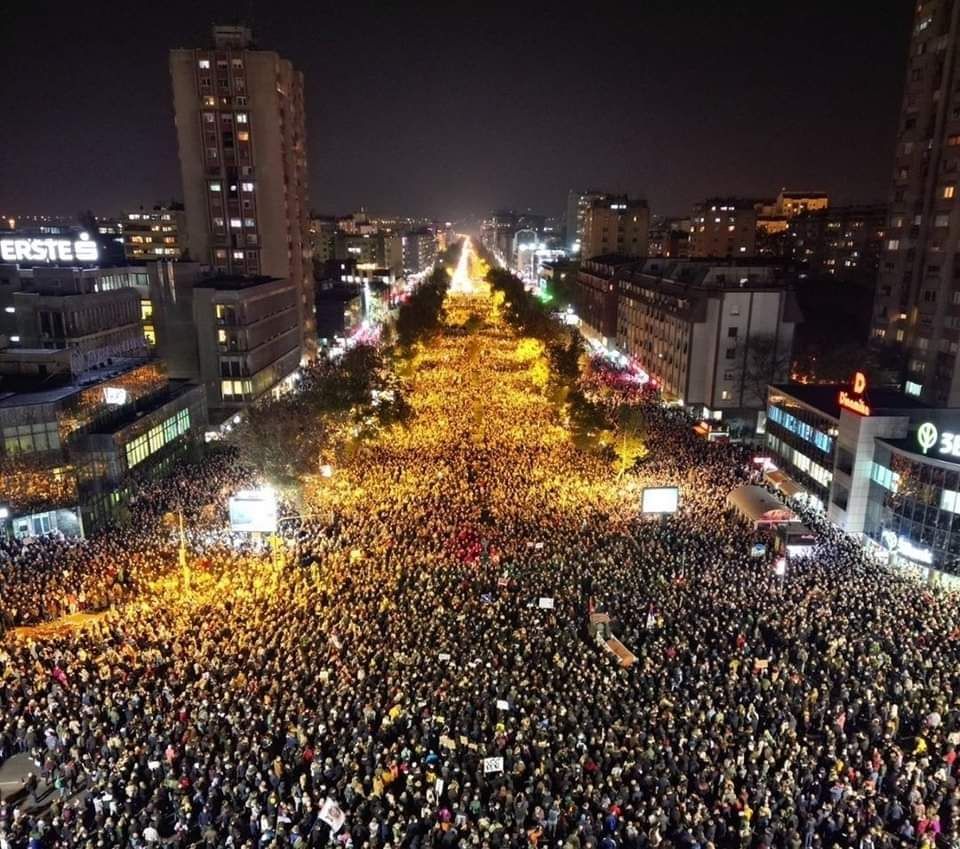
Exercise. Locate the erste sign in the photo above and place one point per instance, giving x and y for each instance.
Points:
(50, 251)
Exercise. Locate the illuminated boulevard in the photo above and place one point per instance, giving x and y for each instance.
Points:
(416, 666)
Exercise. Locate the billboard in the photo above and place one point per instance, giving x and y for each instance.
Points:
(254, 511)
(660, 499)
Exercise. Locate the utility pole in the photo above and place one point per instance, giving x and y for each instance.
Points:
(184, 568)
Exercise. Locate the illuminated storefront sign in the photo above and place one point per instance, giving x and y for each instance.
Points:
(948, 443)
(855, 400)
(906, 548)
(49, 251)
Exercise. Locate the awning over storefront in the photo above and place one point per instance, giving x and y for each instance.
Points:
(757, 505)
(782, 481)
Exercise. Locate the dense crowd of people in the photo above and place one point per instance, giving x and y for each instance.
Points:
(397, 684)
(42, 578)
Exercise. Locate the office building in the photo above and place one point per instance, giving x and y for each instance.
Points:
(243, 158)
(74, 444)
(917, 303)
(615, 224)
(712, 334)
(237, 337)
(881, 464)
(724, 227)
(46, 317)
(94, 314)
(159, 233)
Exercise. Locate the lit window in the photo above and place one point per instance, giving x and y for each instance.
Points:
(243, 135)
(205, 64)
(209, 100)
(249, 222)
(893, 245)
(949, 190)
(241, 117)
(214, 187)
(236, 223)
(247, 187)
(238, 254)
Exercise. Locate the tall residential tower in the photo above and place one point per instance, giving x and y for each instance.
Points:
(243, 158)
(917, 305)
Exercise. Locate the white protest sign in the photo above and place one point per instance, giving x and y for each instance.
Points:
(503, 704)
(546, 603)
(331, 814)
(493, 765)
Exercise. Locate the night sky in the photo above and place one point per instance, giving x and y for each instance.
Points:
(451, 109)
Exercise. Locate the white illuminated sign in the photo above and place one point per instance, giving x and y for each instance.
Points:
(927, 436)
(947, 443)
(114, 395)
(82, 249)
(905, 547)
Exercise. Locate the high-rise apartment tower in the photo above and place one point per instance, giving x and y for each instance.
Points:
(243, 159)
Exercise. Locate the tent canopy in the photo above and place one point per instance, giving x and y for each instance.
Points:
(782, 481)
(757, 505)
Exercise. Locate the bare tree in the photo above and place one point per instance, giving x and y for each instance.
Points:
(766, 360)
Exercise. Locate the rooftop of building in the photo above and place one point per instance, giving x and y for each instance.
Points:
(825, 398)
(26, 390)
(794, 195)
(335, 290)
(613, 259)
(712, 272)
(125, 416)
(735, 202)
(234, 282)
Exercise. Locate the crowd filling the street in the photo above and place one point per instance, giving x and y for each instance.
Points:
(394, 681)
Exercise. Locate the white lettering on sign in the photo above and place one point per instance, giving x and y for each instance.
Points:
(83, 249)
(949, 444)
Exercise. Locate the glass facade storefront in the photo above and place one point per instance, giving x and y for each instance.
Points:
(914, 508)
(802, 443)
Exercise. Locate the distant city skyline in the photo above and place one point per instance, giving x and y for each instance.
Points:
(425, 112)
